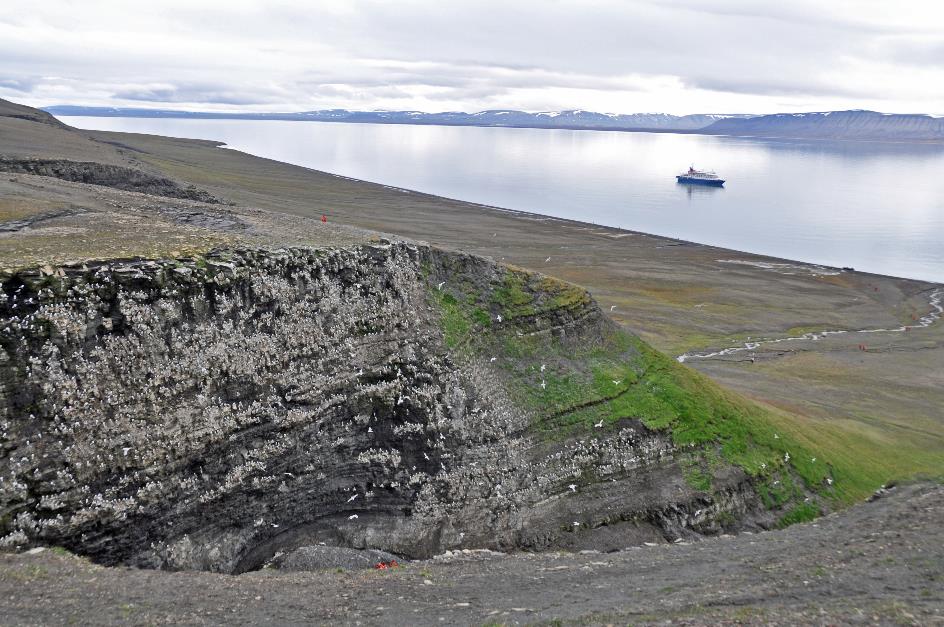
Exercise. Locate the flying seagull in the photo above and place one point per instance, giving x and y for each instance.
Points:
(599, 425)
(440, 286)
(612, 307)
(352, 498)
(546, 260)
(352, 517)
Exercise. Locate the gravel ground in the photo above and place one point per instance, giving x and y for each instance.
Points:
(879, 562)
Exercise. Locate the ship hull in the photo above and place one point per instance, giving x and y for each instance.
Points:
(688, 180)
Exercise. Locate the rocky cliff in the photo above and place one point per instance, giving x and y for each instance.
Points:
(209, 413)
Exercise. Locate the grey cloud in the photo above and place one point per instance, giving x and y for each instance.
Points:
(814, 14)
(916, 52)
(773, 87)
(24, 85)
(472, 53)
(209, 93)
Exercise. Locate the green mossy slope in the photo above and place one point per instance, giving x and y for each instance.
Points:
(577, 380)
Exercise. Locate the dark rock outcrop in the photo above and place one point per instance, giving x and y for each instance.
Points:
(116, 176)
(211, 413)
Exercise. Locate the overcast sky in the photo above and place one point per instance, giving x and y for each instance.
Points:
(674, 56)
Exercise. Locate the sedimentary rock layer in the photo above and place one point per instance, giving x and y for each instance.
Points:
(208, 413)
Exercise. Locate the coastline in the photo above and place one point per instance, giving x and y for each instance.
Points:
(549, 127)
(620, 231)
(748, 234)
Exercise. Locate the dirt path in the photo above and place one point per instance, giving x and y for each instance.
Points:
(879, 562)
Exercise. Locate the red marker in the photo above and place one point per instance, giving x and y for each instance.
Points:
(324, 218)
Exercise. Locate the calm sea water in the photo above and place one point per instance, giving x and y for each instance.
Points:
(877, 207)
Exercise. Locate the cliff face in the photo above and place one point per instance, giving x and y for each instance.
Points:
(208, 413)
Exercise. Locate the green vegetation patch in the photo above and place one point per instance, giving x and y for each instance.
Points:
(695, 472)
(456, 320)
(584, 379)
(522, 294)
(804, 512)
(511, 297)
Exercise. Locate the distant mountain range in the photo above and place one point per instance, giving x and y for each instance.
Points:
(848, 125)
(575, 119)
(855, 124)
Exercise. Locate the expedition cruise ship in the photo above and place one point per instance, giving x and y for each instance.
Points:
(697, 177)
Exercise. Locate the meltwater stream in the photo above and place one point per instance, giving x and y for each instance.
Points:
(934, 300)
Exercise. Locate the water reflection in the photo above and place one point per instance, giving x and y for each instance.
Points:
(692, 189)
(846, 149)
